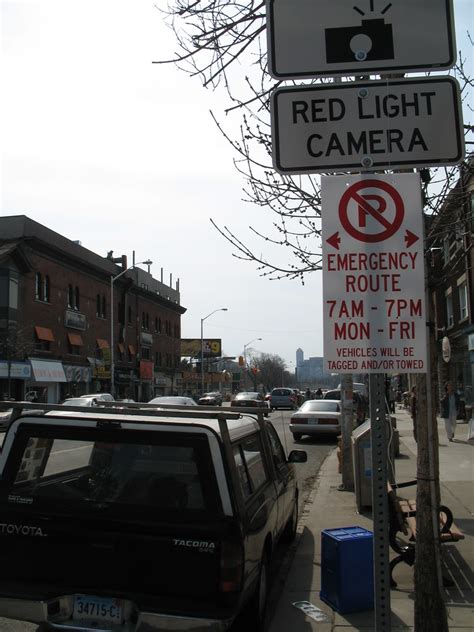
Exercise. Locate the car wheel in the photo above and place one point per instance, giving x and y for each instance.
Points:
(297, 436)
(289, 533)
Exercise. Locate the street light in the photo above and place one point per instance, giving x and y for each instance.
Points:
(220, 309)
(245, 357)
(112, 281)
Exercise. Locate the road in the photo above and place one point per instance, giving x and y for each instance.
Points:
(317, 451)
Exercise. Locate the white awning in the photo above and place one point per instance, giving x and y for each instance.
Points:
(48, 371)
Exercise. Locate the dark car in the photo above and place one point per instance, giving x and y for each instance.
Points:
(211, 399)
(360, 402)
(146, 520)
(249, 399)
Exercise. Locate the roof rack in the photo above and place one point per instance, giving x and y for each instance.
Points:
(133, 409)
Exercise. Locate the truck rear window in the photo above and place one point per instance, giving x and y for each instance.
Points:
(156, 472)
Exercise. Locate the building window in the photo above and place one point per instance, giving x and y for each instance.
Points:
(73, 297)
(158, 358)
(449, 307)
(159, 326)
(145, 353)
(463, 302)
(75, 343)
(38, 286)
(43, 339)
(46, 293)
(100, 306)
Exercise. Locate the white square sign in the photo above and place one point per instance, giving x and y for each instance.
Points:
(307, 38)
(373, 274)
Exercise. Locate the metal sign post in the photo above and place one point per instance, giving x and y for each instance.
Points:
(378, 427)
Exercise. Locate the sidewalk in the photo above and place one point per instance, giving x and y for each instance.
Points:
(329, 508)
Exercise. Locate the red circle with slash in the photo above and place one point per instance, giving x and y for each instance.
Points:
(352, 195)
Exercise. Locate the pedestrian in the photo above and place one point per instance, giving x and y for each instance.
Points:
(413, 411)
(308, 393)
(449, 410)
(319, 393)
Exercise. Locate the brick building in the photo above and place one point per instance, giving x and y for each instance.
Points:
(55, 329)
(451, 286)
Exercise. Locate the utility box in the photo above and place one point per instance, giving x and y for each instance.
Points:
(347, 573)
(362, 461)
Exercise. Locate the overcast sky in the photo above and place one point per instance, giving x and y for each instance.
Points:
(102, 146)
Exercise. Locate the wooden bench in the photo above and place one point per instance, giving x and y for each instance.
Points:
(402, 535)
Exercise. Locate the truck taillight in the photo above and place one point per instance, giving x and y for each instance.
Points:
(231, 567)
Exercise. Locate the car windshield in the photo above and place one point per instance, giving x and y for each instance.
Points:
(247, 396)
(320, 405)
(65, 470)
(282, 392)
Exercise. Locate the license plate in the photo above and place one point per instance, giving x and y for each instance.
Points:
(89, 607)
(313, 422)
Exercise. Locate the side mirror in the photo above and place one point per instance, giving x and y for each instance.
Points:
(297, 456)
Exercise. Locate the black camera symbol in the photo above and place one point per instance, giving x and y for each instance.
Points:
(369, 42)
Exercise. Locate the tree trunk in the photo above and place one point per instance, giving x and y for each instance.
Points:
(430, 609)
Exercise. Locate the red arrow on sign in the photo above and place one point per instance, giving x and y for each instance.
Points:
(410, 238)
(334, 241)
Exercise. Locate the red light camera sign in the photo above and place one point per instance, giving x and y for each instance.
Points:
(373, 274)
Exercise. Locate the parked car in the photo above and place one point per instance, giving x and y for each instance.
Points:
(173, 400)
(81, 401)
(106, 397)
(316, 417)
(166, 521)
(360, 402)
(282, 398)
(211, 399)
(249, 400)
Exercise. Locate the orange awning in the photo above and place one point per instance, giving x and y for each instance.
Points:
(121, 348)
(131, 349)
(43, 333)
(102, 344)
(75, 340)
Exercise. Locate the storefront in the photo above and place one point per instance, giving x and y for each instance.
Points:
(45, 385)
(13, 377)
(78, 380)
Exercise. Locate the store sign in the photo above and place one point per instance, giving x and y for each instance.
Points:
(367, 125)
(343, 37)
(18, 370)
(373, 274)
(75, 320)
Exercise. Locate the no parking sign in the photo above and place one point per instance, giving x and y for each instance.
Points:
(373, 274)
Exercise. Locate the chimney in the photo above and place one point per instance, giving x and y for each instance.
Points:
(124, 262)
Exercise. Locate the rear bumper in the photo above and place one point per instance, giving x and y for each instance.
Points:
(135, 621)
(315, 429)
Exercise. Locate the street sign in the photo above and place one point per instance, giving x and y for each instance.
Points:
(346, 37)
(367, 125)
(373, 274)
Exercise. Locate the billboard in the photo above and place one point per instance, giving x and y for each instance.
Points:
(191, 347)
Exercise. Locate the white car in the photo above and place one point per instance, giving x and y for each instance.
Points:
(173, 400)
(80, 401)
(106, 397)
(316, 417)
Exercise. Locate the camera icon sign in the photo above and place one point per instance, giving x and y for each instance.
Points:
(371, 41)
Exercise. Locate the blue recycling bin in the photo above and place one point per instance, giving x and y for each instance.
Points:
(347, 574)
